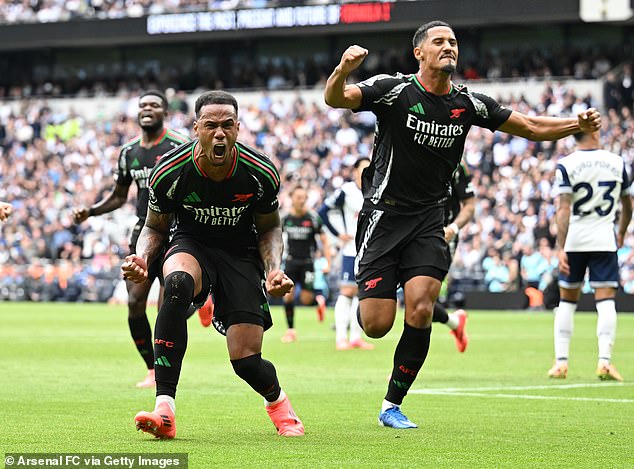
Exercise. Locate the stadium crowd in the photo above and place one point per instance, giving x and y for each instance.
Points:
(47, 11)
(206, 65)
(51, 162)
(276, 73)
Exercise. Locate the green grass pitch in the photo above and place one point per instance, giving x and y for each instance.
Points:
(67, 374)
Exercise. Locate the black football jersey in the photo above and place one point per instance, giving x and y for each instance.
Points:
(216, 214)
(136, 163)
(419, 139)
(300, 235)
(461, 189)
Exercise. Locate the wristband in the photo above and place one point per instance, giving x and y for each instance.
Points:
(91, 212)
(455, 228)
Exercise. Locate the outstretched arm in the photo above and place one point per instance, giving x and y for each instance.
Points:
(467, 209)
(149, 245)
(113, 201)
(538, 128)
(323, 214)
(337, 93)
(271, 247)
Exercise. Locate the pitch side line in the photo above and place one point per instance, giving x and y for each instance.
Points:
(478, 392)
(530, 396)
(520, 388)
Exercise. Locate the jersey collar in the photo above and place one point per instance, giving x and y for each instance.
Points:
(155, 142)
(196, 150)
(421, 85)
(199, 168)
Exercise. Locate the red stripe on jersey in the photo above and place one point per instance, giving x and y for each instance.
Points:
(202, 171)
(157, 141)
(176, 136)
(235, 162)
(427, 89)
(168, 166)
(260, 165)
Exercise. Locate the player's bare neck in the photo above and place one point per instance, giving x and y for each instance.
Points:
(215, 173)
(152, 137)
(434, 81)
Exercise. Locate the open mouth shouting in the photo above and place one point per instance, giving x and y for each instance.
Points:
(219, 151)
(146, 118)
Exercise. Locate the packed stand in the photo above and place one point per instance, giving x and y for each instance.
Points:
(49, 11)
(51, 162)
(285, 73)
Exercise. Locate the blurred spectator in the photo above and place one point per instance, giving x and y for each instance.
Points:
(543, 229)
(497, 275)
(44, 172)
(627, 86)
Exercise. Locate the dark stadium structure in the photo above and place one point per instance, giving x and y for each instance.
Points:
(290, 44)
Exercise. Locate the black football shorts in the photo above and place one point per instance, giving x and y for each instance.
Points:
(234, 276)
(393, 248)
(301, 272)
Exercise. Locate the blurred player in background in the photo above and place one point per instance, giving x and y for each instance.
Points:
(459, 211)
(347, 200)
(222, 196)
(136, 160)
(5, 210)
(422, 124)
(301, 226)
(589, 182)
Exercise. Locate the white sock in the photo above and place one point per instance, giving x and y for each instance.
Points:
(342, 317)
(164, 398)
(606, 329)
(387, 404)
(453, 322)
(563, 330)
(355, 328)
(279, 399)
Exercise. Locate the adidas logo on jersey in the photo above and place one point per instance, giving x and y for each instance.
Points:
(135, 163)
(417, 108)
(193, 197)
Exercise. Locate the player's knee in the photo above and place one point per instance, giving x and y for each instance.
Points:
(376, 318)
(136, 308)
(136, 303)
(247, 368)
(375, 330)
(422, 313)
(306, 297)
(375, 326)
(179, 287)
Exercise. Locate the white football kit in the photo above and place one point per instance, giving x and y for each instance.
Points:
(595, 179)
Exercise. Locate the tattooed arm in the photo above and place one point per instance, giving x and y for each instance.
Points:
(149, 245)
(271, 246)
